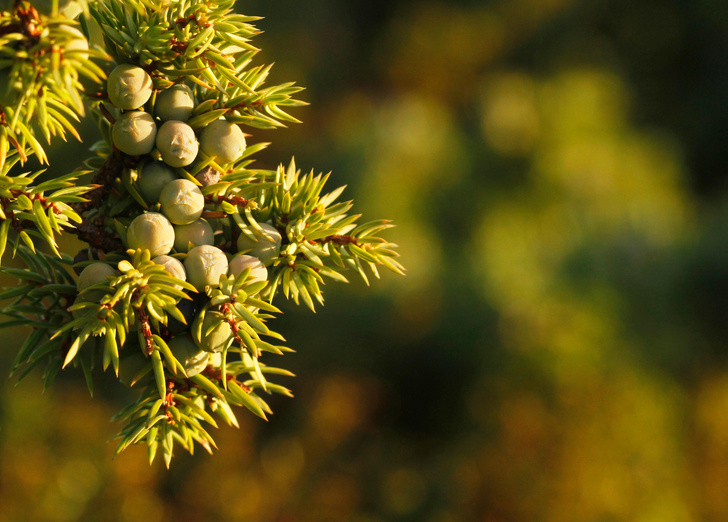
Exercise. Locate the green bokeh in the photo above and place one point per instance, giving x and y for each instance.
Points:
(556, 352)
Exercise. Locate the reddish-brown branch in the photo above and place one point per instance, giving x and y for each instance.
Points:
(213, 214)
(233, 200)
(144, 325)
(96, 236)
(216, 373)
(225, 310)
(339, 240)
(94, 232)
(109, 117)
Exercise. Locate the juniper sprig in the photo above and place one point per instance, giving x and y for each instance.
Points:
(189, 244)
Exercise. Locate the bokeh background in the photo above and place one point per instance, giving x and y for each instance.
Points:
(557, 350)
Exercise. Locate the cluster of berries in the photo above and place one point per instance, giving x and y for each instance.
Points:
(177, 237)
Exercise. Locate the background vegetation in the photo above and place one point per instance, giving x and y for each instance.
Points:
(557, 350)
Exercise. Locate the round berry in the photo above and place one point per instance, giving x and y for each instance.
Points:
(93, 274)
(152, 178)
(186, 351)
(196, 233)
(258, 271)
(173, 266)
(175, 103)
(129, 87)
(216, 332)
(215, 360)
(152, 231)
(264, 248)
(83, 255)
(205, 264)
(134, 133)
(182, 202)
(177, 143)
(224, 140)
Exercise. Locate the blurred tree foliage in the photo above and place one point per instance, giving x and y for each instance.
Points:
(557, 350)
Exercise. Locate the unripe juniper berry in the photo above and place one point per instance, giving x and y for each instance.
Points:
(182, 202)
(129, 87)
(152, 231)
(134, 133)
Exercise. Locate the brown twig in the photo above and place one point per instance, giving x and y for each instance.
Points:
(145, 328)
(338, 240)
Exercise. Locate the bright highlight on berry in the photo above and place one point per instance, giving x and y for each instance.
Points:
(129, 87)
(151, 231)
(205, 264)
(177, 143)
(182, 202)
(134, 133)
(223, 140)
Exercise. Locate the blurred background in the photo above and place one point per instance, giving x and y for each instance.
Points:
(557, 351)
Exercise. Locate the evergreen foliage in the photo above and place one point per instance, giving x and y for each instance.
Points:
(195, 350)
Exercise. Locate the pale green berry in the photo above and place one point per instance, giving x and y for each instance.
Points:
(193, 359)
(216, 332)
(129, 87)
(182, 202)
(172, 265)
(152, 178)
(215, 360)
(264, 248)
(258, 271)
(152, 231)
(93, 274)
(134, 133)
(175, 103)
(196, 233)
(205, 264)
(177, 143)
(224, 140)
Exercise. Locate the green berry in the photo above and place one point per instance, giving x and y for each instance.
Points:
(172, 265)
(224, 140)
(196, 233)
(152, 178)
(129, 87)
(193, 359)
(205, 264)
(93, 274)
(177, 143)
(182, 202)
(175, 103)
(216, 332)
(152, 231)
(258, 271)
(264, 248)
(134, 133)
(215, 360)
